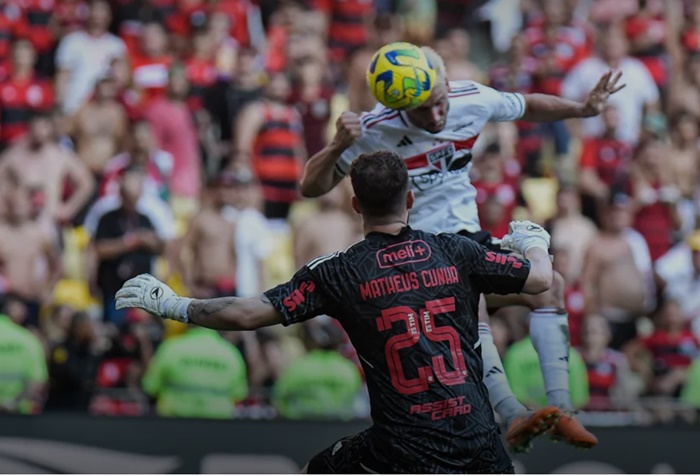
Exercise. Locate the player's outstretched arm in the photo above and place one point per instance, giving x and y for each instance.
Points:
(229, 313)
(320, 175)
(544, 108)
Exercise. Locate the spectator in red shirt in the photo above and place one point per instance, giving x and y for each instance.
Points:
(201, 68)
(496, 190)
(604, 164)
(21, 94)
(673, 347)
(346, 20)
(127, 96)
(646, 32)
(655, 197)
(175, 133)
(38, 26)
(150, 66)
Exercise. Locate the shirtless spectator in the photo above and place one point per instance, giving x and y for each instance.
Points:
(570, 227)
(655, 197)
(383, 29)
(42, 165)
(612, 284)
(175, 133)
(684, 163)
(125, 243)
(21, 94)
(84, 55)
(312, 237)
(454, 48)
(684, 87)
(25, 247)
(604, 164)
(210, 243)
(100, 127)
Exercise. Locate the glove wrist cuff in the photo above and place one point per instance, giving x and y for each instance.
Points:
(536, 242)
(178, 309)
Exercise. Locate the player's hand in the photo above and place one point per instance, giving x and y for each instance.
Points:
(147, 293)
(348, 130)
(523, 235)
(598, 97)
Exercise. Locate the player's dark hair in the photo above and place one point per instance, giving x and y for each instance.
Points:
(380, 182)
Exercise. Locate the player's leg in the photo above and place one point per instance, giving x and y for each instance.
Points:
(549, 331)
(523, 425)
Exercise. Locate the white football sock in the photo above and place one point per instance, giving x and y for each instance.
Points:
(501, 396)
(549, 331)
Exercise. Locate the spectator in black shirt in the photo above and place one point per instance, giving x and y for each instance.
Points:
(126, 243)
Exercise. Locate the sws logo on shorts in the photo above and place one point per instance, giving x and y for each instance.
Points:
(498, 258)
(298, 296)
(403, 253)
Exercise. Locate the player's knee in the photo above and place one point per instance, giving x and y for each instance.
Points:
(554, 296)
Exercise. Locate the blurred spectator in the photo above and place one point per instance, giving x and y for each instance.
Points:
(41, 165)
(151, 64)
(322, 383)
(10, 19)
(647, 33)
(655, 198)
(610, 381)
(253, 241)
(383, 29)
(571, 229)
(311, 94)
(84, 55)
(210, 243)
(30, 265)
(73, 367)
(228, 96)
(690, 393)
(454, 48)
(270, 138)
(142, 151)
(100, 127)
(196, 375)
(496, 182)
(125, 243)
(70, 15)
(612, 282)
(574, 299)
(38, 26)
(127, 95)
(22, 363)
(175, 133)
(639, 96)
(21, 94)
(311, 237)
(346, 21)
(684, 89)
(685, 165)
(672, 347)
(522, 367)
(201, 68)
(604, 162)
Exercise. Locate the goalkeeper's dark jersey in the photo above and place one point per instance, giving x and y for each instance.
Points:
(409, 304)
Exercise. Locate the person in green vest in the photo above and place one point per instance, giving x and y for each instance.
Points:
(196, 375)
(690, 393)
(322, 383)
(23, 372)
(522, 367)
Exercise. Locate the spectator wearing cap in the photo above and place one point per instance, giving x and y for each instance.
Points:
(616, 272)
(125, 243)
(175, 133)
(39, 163)
(84, 55)
(270, 139)
(322, 383)
(253, 242)
(639, 96)
(210, 243)
(21, 94)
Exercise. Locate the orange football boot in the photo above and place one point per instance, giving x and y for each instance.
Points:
(569, 430)
(523, 429)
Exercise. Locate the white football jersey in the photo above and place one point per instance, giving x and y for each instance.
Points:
(438, 164)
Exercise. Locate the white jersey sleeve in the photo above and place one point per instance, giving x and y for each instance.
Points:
(368, 142)
(501, 106)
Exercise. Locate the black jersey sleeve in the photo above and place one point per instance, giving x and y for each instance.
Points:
(492, 272)
(301, 298)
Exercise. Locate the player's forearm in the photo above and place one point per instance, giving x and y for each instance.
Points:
(545, 108)
(540, 278)
(226, 314)
(319, 173)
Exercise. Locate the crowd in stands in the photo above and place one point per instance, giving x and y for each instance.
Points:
(169, 136)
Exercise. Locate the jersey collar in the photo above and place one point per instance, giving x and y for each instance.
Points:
(382, 235)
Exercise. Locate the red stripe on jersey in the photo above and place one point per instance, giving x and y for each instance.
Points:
(466, 144)
(382, 119)
(421, 160)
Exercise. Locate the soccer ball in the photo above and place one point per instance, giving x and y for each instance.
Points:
(400, 76)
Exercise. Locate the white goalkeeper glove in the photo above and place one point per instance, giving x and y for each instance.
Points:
(523, 235)
(147, 293)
